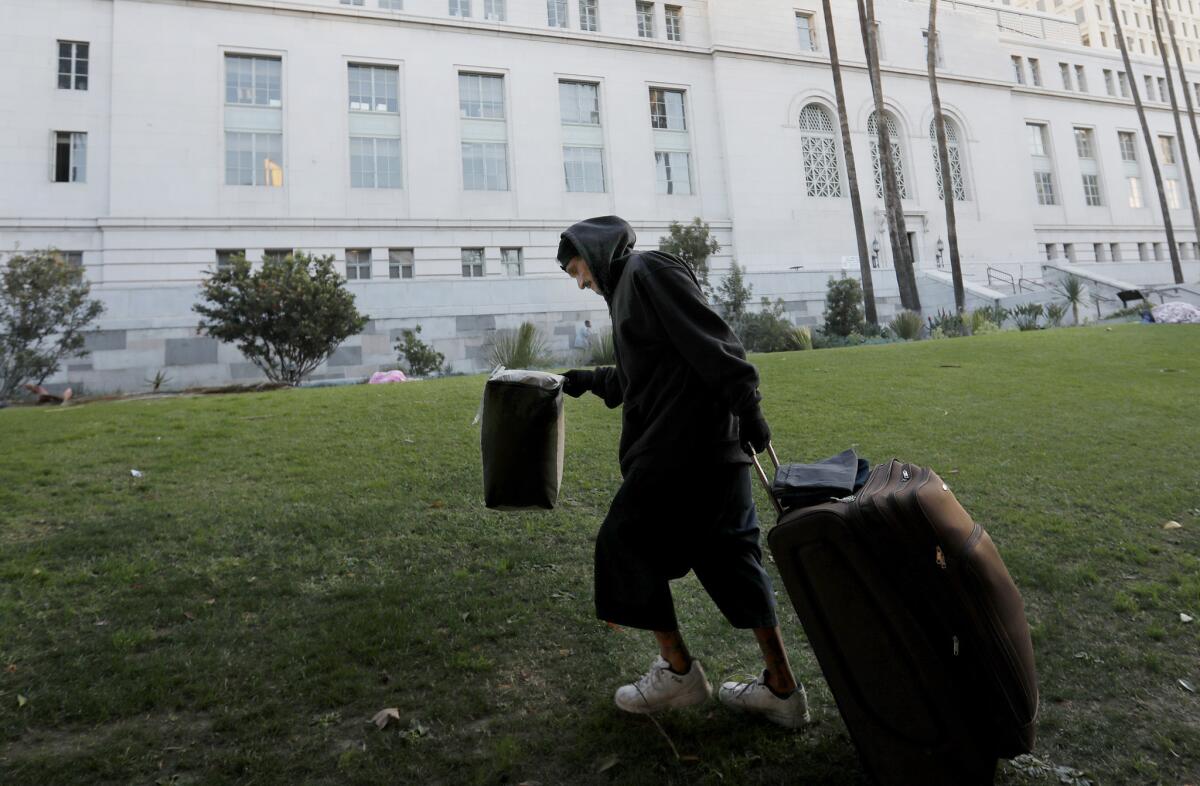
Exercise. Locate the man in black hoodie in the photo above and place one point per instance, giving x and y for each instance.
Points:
(690, 416)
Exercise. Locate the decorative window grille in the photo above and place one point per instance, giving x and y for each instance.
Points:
(897, 154)
(822, 171)
(953, 153)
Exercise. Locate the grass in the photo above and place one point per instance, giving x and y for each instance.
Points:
(292, 562)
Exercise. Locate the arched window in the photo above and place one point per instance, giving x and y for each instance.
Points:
(822, 171)
(897, 154)
(957, 181)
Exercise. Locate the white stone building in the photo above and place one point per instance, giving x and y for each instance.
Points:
(436, 148)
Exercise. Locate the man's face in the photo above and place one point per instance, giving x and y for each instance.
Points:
(579, 270)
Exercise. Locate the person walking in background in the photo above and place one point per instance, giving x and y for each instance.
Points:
(690, 417)
(583, 334)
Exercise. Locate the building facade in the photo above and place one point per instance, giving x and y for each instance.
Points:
(436, 148)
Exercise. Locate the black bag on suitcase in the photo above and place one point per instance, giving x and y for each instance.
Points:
(917, 626)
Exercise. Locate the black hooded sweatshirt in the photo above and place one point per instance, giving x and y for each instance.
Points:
(681, 373)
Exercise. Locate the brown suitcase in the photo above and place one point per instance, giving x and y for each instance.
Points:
(917, 626)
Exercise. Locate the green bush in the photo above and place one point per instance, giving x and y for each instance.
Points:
(906, 325)
(44, 309)
(694, 244)
(602, 349)
(801, 338)
(421, 359)
(1055, 313)
(287, 317)
(524, 347)
(994, 314)
(1026, 316)
(948, 324)
(985, 327)
(766, 330)
(843, 307)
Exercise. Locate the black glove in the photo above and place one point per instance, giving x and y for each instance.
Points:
(754, 432)
(578, 381)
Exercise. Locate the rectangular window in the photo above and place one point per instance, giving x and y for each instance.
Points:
(485, 166)
(1108, 82)
(1149, 82)
(1083, 143)
(253, 159)
(1035, 72)
(584, 169)
(937, 55)
(276, 254)
(460, 8)
(588, 16)
(481, 96)
(69, 258)
(1064, 71)
(1037, 139)
(674, 22)
(394, 5)
(1163, 93)
(807, 32)
(72, 65)
(227, 256)
(374, 162)
(472, 263)
(352, 2)
(645, 19)
(70, 157)
(1114, 252)
(1098, 252)
(1144, 252)
(400, 263)
(256, 81)
(556, 13)
(1081, 79)
(1128, 143)
(673, 173)
(579, 103)
(374, 88)
(1091, 190)
(1158, 251)
(513, 263)
(358, 264)
(1135, 191)
(1043, 183)
(1123, 80)
(493, 10)
(1166, 144)
(666, 109)
(1171, 187)
(1018, 64)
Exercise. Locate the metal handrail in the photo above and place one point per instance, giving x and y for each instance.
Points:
(1032, 285)
(1002, 276)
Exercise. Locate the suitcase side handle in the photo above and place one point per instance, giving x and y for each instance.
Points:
(762, 476)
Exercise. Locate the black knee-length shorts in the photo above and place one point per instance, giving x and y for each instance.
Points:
(666, 522)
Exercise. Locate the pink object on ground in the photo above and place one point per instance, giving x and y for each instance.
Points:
(382, 377)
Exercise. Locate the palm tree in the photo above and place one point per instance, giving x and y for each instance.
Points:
(1187, 97)
(939, 123)
(897, 232)
(1073, 292)
(864, 261)
(1141, 112)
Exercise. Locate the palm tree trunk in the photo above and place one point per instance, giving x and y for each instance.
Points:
(1141, 112)
(897, 232)
(860, 231)
(939, 124)
(1187, 97)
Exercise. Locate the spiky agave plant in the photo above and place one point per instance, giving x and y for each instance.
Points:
(1073, 292)
(907, 325)
(524, 347)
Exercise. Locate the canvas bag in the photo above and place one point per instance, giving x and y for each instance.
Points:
(522, 439)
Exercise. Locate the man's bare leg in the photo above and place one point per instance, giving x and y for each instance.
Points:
(779, 672)
(674, 651)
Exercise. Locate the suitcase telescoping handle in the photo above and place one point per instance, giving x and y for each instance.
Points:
(762, 475)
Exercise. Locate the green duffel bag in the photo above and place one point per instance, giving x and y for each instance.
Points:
(522, 439)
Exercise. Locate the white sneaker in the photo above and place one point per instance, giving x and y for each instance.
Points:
(754, 696)
(660, 689)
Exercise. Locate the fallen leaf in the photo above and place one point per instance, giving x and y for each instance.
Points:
(189, 615)
(101, 623)
(11, 668)
(21, 700)
(416, 727)
(1185, 618)
(1172, 525)
(464, 616)
(383, 716)
(437, 503)
(530, 783)
(564, 652)
(607, 763)
(689, 757)
(135, 473)
(1187, 686)
(952, 472)
(210, 601)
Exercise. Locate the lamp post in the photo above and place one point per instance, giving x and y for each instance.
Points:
(940, 248)
(875, 252)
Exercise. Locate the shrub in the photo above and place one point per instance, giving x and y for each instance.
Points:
(822, 340)
(1027, 315)
(843, 307)
(1073, 292)
(766, 330)
(906, 325)
(733, 294)
(422, 359)
(994, 314)
(949, 324)
(1055, 313)
(603, 350)
(524, 347)
(801, 338)
(44, 308)
(985, 327)
(694, 244)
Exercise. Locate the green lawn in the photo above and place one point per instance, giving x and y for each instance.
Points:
(292, 562)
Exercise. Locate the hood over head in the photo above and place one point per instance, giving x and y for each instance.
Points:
(605, 243)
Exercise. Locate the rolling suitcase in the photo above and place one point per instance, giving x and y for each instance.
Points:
(916, 624)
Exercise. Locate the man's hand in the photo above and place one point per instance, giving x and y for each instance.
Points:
(754, 431)
(578, 381)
